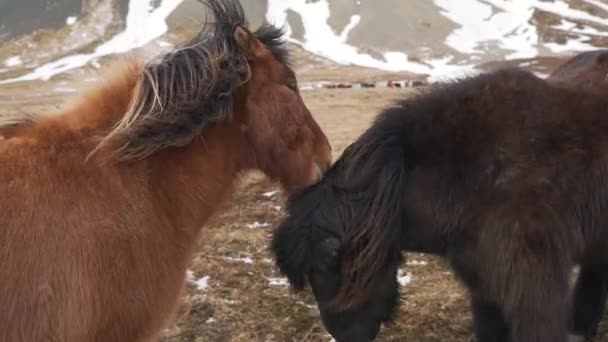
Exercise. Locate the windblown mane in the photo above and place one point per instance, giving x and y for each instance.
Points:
(373, 179)
(191, 87)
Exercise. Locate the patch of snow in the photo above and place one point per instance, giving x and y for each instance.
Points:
(354, 21)
(569, 26)
(404, 279)
(63, 89)
(506, 22)
(210, 320)
(570, 45)
(563, 9)
(201, 284)
(95, 64)
(416, 263)
(71, 20)
(509, 24)
(320, 39)
(277, 281)
(257, 224)
(482, 25)
(144, 23)
(13, 61)
(306, 305)
(246, 260)
(270, 194)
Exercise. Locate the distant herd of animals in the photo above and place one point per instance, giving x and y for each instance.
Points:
(503, 174)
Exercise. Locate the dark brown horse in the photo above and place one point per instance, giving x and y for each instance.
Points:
(101, 204)
(503, 174)
(587, 70)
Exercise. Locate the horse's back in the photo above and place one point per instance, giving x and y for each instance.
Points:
(511, 134)
(587, 69)
(512, 107)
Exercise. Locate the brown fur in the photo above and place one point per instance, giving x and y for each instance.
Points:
(96, 249)
(587, 70)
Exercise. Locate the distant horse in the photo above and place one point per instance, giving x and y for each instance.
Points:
(503, 174)
(588, 70)
(101, 204)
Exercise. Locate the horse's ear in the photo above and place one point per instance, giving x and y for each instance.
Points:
(247, 41)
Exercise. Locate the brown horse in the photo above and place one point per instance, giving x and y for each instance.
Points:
(101, 204)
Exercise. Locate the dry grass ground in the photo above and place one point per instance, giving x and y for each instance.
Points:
(246, 300)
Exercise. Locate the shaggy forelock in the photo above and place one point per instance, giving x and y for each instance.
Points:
(357, 201)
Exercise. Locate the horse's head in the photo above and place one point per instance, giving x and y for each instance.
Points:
(230, 76)
(287, 142)
(342, 236)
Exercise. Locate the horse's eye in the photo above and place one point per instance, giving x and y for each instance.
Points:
(293, 85)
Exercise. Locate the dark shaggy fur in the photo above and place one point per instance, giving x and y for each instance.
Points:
(503, 174)
(192, 86)
(587, 70)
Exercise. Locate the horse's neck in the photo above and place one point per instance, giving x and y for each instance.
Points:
(191, 183)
